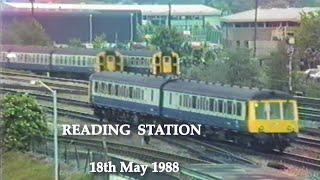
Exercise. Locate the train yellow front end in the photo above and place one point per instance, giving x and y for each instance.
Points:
(275, 123)
(273, 116)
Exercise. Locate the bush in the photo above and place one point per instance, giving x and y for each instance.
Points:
(23, 120)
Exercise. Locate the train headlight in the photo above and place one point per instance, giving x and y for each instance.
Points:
(289, 128)
(261, 128)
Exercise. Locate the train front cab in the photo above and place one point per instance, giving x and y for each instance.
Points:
(277, 119)
(165, 63)
(110, 61)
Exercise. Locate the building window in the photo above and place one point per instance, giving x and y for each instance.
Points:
(246, 43)
(238, 43)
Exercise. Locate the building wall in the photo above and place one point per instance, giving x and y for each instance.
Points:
(63, 26)
(268, 38)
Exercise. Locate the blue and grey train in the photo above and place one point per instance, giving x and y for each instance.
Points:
(247, 115)
(81, 63)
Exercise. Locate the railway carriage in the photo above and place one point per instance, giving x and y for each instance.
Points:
(23, 57)
(260, 118)
(81, 63)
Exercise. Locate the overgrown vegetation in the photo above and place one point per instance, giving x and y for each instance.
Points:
(231, 67)
(23, 120)
(165, 38)
(21, 166)
(27, 32)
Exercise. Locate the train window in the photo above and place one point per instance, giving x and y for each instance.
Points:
(288, 112)
(109, 88)
(152, 95)
(229, 107)
(116, 89)
(185, 100)
(194, 102)
(261, 113)
(130, 92)
(220, 106)
(142, 94)
(207, 104)
(95, 86)
(166, 59)
(239, 108)
(180, 100)
(211, 104)
(275, 111)
(170, 98)
(79, 61)
(65, 60)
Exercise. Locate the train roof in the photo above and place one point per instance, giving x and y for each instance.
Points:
(138, 52)
(78, 51)
(129, 78)
(27, 49)
(224, 91)
(192, 87)
(74, 51)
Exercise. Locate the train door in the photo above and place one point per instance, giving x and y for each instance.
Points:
(111, 63)
(102, 63)
(157, 64)
(167, 64)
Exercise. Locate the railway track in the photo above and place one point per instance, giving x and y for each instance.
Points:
(70, 90)
(207, 151)
(5, 72)
(143, 153)
(308, 141)
(300, 160)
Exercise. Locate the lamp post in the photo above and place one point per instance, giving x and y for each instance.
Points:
(90, 29)
(290, 51)
(55, 128)
(131, 27)
(32, 8)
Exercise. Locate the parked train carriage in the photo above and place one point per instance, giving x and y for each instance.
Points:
(166, 62)
(139, 61)
(82, 62)
(252, 116)
(110, 60)
(26, 58)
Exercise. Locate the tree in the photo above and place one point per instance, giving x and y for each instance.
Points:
(308, 39)
(23, 120)
(231, 67)
(100, 42)
(165, 38)
(307, 35)
(75, 42)
(276, 70)
(27, 32)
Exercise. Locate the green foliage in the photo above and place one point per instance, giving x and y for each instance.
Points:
(307, 35)
(276, 70)
(27, 32)
(165, 38)
(23, 120)
(75, 42)
(100, 42)
(231, 67)
(20, 166)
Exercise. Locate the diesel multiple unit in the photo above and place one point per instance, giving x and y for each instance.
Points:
(83, 62)
(260, 118)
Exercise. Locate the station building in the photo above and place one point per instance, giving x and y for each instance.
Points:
(192, 19)
(62, 25)
(273, 25)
